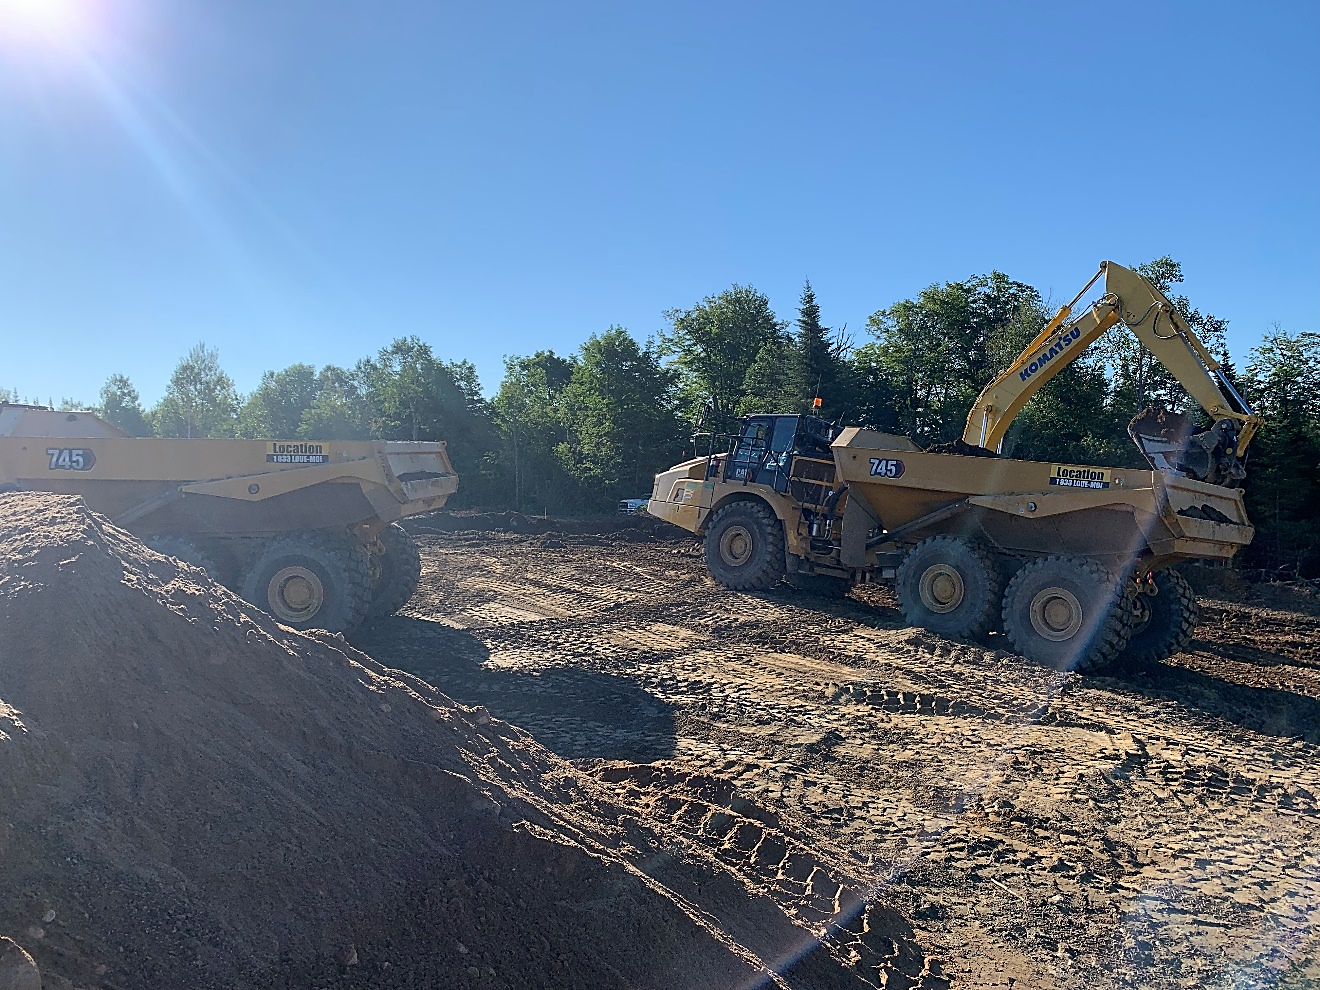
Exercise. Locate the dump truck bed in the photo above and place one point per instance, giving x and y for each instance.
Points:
(238, 487)
(1041, 507)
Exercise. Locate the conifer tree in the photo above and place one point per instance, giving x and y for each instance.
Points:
(817, 366)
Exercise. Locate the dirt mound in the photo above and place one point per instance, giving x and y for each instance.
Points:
(195, 796)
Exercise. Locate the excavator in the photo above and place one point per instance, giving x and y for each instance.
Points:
(1073, 563)
(1215, 455)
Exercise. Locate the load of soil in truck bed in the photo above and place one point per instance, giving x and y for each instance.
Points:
(194, 796)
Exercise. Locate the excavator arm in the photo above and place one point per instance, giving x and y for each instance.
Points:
(1131, 300)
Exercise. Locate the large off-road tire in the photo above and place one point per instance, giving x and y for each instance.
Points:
(398, 571)
(820, 585)
(313, 579)
(1069, 613)
(950, 586)
(1163, 622)
(186, 548)
(745, 547)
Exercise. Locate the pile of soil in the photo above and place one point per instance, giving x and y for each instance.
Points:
(192, 795)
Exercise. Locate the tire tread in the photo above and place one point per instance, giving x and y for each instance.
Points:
(348, 557)
(981, 624)
(772, 570)
(1178, 636)
(1112, 635)
(399, 583)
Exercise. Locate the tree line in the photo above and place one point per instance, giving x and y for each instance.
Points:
(574, 433)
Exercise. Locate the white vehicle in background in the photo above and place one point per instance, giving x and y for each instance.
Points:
(629, 506)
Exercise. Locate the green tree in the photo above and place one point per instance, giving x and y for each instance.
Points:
(200, 399)
(1282, 380)
(277, 407)
(773, 383)
(412, 395)
(818, 359)
(714, 345)
(338, 411)
(121, 406)
(622, 425)
(932, 355)
(528, 410)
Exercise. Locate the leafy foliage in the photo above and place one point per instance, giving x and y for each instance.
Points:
(932, 355)
(121, 406)
(277, 407)
(529, 413)
(619, 410)
(1283, 485)
(200, 399)
(714, 345)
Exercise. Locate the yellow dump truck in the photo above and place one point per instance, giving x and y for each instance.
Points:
(1071, 561)
(307, 530)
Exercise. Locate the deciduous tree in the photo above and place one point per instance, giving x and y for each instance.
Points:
(200, 399)
(121, 405)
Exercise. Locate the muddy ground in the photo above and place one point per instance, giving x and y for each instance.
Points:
(1157, 828)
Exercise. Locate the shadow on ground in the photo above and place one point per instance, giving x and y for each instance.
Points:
(1267, 710)
(575, 713)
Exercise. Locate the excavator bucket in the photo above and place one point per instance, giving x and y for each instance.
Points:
(1169, 442)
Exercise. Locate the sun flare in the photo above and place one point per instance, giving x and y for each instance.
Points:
(52, 20)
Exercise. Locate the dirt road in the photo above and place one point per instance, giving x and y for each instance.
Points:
(1038, 829)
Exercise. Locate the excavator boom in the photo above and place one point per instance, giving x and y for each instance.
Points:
(1131, 300)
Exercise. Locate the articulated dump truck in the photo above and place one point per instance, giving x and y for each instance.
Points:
(1072, 562)
(306, 530)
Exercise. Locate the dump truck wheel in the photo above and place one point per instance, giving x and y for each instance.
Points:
(950, 586)
(1069, 613)
(311, 580)
(400, 571)
(745, 547)
(182, 547)
(1162, 622)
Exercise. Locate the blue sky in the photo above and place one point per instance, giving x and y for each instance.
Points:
(304, 181)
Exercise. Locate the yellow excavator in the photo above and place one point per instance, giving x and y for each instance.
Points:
(1215, 455)
(1072, 562)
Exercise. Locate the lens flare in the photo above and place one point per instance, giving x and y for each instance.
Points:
(31, 21)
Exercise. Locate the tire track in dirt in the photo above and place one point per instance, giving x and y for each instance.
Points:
(1036, 826)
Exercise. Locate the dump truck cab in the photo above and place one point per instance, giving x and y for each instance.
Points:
(761, 460)
(768, 488)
